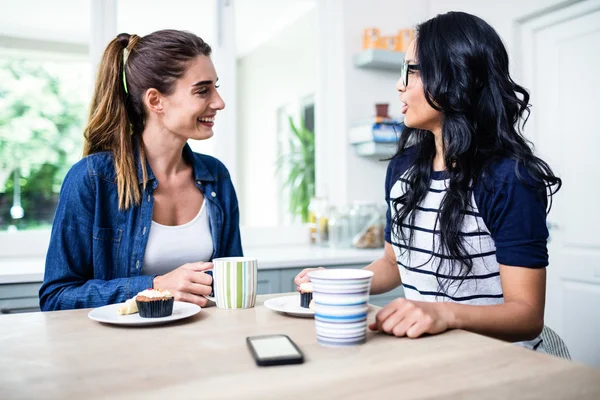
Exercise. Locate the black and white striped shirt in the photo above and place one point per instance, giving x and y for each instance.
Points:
(504, 224)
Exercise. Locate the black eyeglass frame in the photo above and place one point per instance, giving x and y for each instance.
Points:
(408, 67)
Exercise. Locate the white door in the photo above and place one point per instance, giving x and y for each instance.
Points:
(560, 56)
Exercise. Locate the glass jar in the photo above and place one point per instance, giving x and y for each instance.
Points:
(360, 214)
(323, 224)
(372, 234)
(312, 219)
(318, 214)
(339, 229)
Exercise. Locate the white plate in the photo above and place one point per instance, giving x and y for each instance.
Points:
(108, 314)
(289, 305)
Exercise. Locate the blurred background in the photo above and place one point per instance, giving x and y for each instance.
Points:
(300, 134)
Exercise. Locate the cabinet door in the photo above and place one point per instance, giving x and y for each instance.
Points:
(287, 279)
(20, 305)
(19, 297)
(269, 281)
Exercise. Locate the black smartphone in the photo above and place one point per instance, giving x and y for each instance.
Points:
(274, 350)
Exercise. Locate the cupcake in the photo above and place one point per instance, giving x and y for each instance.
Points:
(155, 303)
(306, 294)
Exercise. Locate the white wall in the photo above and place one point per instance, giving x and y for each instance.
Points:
(366, 87)
(355, 91)
(504, 18)
(347, 93)
(280, 72)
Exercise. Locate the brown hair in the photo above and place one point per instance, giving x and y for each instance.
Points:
(117, 113)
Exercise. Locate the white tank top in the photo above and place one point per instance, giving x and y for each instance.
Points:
(169, 247)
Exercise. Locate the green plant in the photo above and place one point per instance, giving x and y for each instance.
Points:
(41, 119)
(299, 163)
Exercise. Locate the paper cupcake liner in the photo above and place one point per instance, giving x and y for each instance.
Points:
(305, 299)
(155, 308)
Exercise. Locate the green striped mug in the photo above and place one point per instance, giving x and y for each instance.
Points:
(234, 282)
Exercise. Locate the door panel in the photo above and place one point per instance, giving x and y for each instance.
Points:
(562, 73)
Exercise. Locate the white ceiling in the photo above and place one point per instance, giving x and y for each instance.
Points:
(256, 21)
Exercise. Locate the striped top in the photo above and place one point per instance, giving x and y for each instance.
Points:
(504, 224)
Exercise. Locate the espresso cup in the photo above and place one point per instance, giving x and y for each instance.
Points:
(234, 282)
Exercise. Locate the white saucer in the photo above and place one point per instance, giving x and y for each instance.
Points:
(289, 305)
(109, 315)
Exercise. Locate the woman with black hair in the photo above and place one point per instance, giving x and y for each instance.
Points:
(467, 198)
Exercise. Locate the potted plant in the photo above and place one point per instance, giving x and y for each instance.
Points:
(300, 165)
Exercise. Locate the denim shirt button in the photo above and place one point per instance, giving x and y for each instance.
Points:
(213, 194)
(144, 231)
(199, 183)
(148, 198)
(137, 264)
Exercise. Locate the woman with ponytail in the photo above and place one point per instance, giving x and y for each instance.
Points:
(141, 209)
(467, 198)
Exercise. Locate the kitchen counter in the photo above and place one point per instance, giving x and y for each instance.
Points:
(23, 270)
(310, 256)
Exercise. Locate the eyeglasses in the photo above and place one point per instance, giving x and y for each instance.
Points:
(405, 68)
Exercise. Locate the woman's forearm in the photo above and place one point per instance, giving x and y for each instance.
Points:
(62, 292)
(386, 275)
(512, 321)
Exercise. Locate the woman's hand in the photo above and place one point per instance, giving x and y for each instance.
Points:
(188, 283)
(409, 318)
(302, 277)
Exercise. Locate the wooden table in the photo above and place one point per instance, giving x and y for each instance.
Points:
(68, 356)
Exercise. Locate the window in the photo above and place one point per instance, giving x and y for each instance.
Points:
(276, 72)
(43, 111)
(308, 113)
(44, 95)
(291, 153)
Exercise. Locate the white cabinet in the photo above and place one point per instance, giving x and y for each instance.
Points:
(269, 281)
(19, 297)
(23, 297)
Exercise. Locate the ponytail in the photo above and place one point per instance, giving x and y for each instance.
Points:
(109, 127)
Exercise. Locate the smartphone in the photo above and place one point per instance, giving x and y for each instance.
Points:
(274, 350)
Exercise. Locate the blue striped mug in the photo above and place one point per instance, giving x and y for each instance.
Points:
(341, 299)
(234, 282)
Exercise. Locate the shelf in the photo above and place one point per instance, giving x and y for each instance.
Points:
(374, 149)
(379, 59)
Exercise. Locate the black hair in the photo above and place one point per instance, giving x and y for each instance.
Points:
(465, 74)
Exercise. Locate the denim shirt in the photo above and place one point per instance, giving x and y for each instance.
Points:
(96, 251)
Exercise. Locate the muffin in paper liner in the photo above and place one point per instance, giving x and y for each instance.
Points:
(306, 294)
(155, 303)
